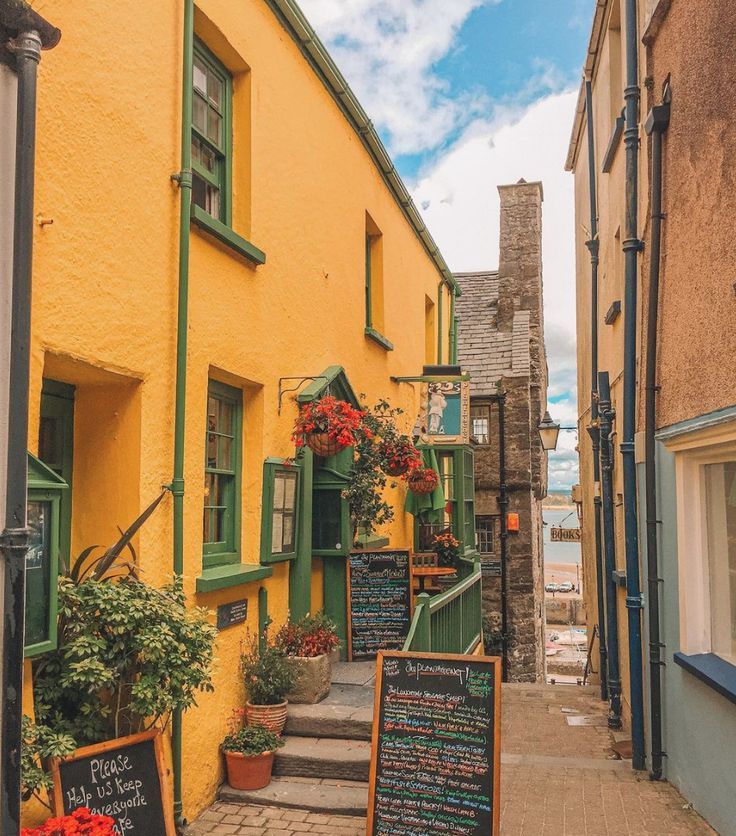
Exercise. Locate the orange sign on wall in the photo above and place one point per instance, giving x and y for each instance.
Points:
(512, 522)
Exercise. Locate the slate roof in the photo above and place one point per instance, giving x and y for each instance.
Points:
(484, 351)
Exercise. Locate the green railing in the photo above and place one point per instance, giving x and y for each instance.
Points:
(450, 622)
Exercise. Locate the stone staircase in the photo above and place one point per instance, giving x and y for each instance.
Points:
(323, 766)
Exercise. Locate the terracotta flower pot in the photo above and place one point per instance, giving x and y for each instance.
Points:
(249, 772)
(273, 717)
(323, 445)
(313, 681)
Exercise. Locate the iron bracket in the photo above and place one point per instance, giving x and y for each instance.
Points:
(301, 381)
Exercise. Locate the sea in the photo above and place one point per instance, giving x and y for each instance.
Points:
(560, 552)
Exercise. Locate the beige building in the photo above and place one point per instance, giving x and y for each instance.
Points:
(682, 388)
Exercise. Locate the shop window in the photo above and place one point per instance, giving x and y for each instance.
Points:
(480, 424)
(45, 491)
(485, 529)
(279, 527)
(211, 134)
(468, 500)
(222, 478)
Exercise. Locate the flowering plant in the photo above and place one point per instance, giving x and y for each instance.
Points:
(251, 740)
(339, 420)
(82, 822)
(313, 635)
(399, 456)
(267, 673)
(424, 479)
(447, 548)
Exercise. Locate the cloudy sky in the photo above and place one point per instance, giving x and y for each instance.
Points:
(469, 94)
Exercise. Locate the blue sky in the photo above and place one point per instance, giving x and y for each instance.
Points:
(467, 95)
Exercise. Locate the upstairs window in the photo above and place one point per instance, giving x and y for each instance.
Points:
(211, 134)
(480, 424)
(485, 530)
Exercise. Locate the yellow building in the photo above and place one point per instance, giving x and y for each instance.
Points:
(169, 305)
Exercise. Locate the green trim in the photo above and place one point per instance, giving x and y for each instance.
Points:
(292, 19)
(379, 339)
(439, 324)
(228, 550)
(222, 577)
(226, 236)
(53, 497)
(333, 381)
(701, 422)
(42, 477)
(57, 388)
(368, 287)
(262, 617)
(300, 569)
(272, 467)
(335, 595)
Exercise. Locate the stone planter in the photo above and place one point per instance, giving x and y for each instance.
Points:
(315, 678)
(273, 717)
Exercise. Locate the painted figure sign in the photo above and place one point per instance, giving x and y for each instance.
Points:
(445, 411)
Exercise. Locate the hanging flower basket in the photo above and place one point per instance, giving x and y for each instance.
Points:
(400, 458)
(423, 481)
(328, 426)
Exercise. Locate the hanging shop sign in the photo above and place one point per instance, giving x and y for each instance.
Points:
(123, 779)
(565, 535)
(436, 746)
(379, 601)
(444, 416)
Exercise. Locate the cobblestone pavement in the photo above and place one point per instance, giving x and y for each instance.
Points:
(557, 779)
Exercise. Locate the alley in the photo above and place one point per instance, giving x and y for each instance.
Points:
(559, 777)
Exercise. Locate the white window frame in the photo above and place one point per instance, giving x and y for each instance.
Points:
(693, 451)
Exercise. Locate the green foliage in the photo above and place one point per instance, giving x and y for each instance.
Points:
(267, 673)
(128, 654)
(310, 636)
(368, 508)
(252, 740)
(39, 743)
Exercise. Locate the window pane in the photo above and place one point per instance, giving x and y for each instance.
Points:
(38, 570)
(205, 196)
(199, 75)
(326, 516)
(214, 126)
(721, 518)
(214, 89)
(288, 539)
(224, 460)
(290, 492)
(199, 113)
(277, 533)
(279, 485)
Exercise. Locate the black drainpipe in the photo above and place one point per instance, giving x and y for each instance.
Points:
(607, 415)
(14, 541)
(503, 504)
(632, 246)
(594, 430)
(656, 124)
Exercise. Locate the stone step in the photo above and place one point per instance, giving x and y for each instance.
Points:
(346, 714)
(339, 798)
(323, 758)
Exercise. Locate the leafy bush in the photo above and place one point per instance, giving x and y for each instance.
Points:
(252, 740)
(267, 673)
(39, 743)
(81, 822)
(312, 635)
(128, 654)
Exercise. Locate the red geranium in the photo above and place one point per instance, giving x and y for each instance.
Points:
(424, 480)
(339, 420)
(82, 822)
(400, 456)
(312, 635)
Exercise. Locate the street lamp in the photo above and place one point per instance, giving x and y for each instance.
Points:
(548, 432)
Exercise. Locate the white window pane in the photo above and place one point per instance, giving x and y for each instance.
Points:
(277, 534)
(721, 519)
(290, 495)
(278, 491)
(199, 113)
(199, 76)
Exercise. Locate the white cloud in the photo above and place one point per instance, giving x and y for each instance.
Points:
(387, 51)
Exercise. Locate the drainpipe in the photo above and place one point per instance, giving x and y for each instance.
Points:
(607, 415)
(451, 331)
(14, 539)
(656, 124)
(503, 504)
(632, 246)
(594, 431)
(440, 288)
(184, 179)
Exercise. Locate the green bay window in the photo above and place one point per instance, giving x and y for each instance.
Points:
(211, 135)
(222, 477)
(279, 524)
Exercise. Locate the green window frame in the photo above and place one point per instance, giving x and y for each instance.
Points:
(211, 135)
(368, 277)
(222, 475)
(281, 510)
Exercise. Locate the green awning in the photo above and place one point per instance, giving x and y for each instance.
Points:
(427, 506)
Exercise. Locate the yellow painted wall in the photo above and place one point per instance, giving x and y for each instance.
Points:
(105, 286)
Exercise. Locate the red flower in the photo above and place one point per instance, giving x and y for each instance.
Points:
(82, 822)
(341, 421)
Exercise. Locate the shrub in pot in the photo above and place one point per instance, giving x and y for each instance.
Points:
(249, 754)
(268, 678)
(447, 548)
(308, 644)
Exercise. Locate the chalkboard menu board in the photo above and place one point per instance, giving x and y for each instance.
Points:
(379, 601)
(436, 746)
(120, 778)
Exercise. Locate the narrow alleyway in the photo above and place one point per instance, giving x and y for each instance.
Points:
(559, 778)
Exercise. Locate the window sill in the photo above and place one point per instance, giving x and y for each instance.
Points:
(226, 236)
(614, 142)
(379, 339)
(715, 672)
(233, 574)
(278, 558)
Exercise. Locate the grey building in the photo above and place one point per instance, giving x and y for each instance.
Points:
(501, 345)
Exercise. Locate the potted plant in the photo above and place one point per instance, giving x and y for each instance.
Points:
(249, 753)
(82, 822)
(447, 548)
(268, 679)
(328, 426)
(399, 456)
(308, 644)
(423, 480)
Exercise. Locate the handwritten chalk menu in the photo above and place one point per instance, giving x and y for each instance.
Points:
(436, 746)
(123, 779)
(379, 601)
